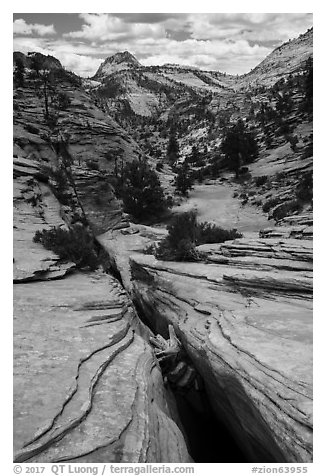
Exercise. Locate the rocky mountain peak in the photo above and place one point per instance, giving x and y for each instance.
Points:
(117, 62)
(123, 57)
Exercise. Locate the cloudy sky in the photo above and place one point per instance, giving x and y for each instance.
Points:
(231, 42)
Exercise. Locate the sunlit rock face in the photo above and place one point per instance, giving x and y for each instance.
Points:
(246, 322)
(94, 392)
(87, 387)
(118, 62)
(244, 316)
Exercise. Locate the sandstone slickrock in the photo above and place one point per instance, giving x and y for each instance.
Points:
(35, 208)
(252, 344)
(245, 319)
(87, 387)
(94, 138)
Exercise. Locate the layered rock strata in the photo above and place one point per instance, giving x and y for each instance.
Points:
(87, 387)
(245, 319)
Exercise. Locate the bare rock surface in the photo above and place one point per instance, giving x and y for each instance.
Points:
(96, 145)
(249, 334)
(35, 208)
(87, 387)
(244, 316)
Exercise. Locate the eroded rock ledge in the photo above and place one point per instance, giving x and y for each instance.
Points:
(245, 320)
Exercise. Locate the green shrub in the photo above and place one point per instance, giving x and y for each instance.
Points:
(286, 209)
(308, 151)
(184, 250)
(185, 233)
(239, 146)
(259, 181)
(304, 190)
(60, 184)
(211, 233)
(184, 179)
(74, 244)
(270, 203)
(92, 164)
(63, 101)
(32, 129)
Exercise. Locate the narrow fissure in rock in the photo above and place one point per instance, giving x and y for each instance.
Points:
(208, 439)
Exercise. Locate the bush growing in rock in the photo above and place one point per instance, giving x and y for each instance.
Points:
(270, 203)
(286, 208)
(211, 233)
(32, 129)
(180, 243)
(293, 140)
(304, 190)
(59, 184)
(75, 244)
(185, 233)
(261, 180)
(63, 101)
(92, 164)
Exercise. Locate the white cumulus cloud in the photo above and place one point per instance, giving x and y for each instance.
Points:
(23, 28)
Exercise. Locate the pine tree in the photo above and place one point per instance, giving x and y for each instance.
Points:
(172, 152)
(19, 73)
(184, 179)
(239, 146)
(142, 193)
(309, 86)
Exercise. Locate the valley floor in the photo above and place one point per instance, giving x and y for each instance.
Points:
(214, 202)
